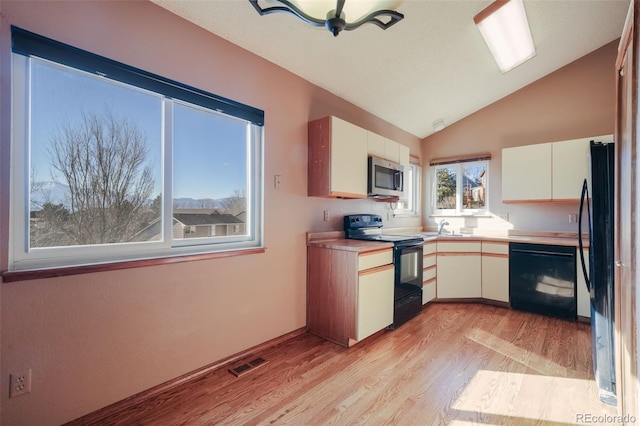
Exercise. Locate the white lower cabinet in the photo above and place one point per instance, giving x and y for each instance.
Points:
(495, 271)
(459, 270)
(584, 302)
(429, 270)
(375, 300)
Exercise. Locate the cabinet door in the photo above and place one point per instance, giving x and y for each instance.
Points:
(570, 167)
(459, 276)
(526, 173)
(584, 300)
(375, 300)
(375, 144)
(495, 278)
(348, 159)
(391, 150)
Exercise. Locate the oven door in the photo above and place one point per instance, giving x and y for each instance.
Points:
(408, 264)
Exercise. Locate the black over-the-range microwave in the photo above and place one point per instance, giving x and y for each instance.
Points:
(386, 178)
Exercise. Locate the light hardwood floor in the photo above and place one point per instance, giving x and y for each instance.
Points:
(457, 364)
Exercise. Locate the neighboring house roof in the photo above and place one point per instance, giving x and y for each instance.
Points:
(468, 182)
(205, 219)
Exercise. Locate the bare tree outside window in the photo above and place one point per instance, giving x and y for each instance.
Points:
(103, 161)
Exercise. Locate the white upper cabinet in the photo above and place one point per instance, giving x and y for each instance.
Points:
(547, 172)
(379, 146)
(375, 144)
(337, 159)
(526, 173)
(391, 150)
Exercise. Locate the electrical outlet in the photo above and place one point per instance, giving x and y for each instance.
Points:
(277, 180)
(504, 216)
(326, 215)
(20, 383)
(573, 217)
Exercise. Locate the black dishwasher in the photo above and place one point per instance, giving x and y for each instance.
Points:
(542, 279)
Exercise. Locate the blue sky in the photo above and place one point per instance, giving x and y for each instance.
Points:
(209, 150)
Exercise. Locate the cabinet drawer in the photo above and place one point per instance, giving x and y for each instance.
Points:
(495, 248)
(428, 292)
(429, 261)
(429, 248)
(374, 259)
(459, 247)
(428, 274)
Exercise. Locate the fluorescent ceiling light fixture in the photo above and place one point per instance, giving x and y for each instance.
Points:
(505, 29)
(336, 15)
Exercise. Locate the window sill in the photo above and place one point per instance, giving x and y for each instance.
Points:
(409, 214)
(14, 276)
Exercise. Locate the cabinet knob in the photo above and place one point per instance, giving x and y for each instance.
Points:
(618, 263)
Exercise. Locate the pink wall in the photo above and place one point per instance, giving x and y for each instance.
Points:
(573, 102)
(94, 339)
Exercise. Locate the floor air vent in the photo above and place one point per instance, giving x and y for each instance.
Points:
(243, 369)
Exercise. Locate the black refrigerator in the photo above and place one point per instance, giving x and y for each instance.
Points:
(597, 208)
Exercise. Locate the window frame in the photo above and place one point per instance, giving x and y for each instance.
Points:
(412, 199)
(25, 47)
(459, 210)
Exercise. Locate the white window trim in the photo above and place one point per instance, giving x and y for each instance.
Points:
(415, 194)
(22, 257)
(459, 211)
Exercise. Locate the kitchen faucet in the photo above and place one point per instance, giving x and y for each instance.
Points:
(442, 224)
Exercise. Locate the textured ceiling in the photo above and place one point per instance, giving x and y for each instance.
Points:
(432, 65)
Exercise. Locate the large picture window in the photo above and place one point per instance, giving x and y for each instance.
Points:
(111, 163)
(460, 188)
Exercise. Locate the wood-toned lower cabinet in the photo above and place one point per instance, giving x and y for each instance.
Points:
(459, 269)
(349, 294)
(429, 272)
(495, 271)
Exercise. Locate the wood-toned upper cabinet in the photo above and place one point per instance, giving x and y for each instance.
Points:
(337, 159)
(526, 173)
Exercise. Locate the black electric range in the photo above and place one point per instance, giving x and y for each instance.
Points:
(407, 260)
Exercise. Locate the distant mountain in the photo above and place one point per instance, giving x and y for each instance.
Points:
(57, 193)
(48, 192)
(192, 203)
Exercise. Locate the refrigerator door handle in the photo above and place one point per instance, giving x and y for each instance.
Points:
(584, 198)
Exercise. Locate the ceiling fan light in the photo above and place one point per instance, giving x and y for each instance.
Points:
(505, 29)
(352, 13)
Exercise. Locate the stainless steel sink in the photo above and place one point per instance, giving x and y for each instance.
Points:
(435, 234)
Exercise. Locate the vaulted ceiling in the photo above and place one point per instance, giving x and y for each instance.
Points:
(432, 65)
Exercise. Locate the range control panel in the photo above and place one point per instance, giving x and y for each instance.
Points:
(358, 221)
